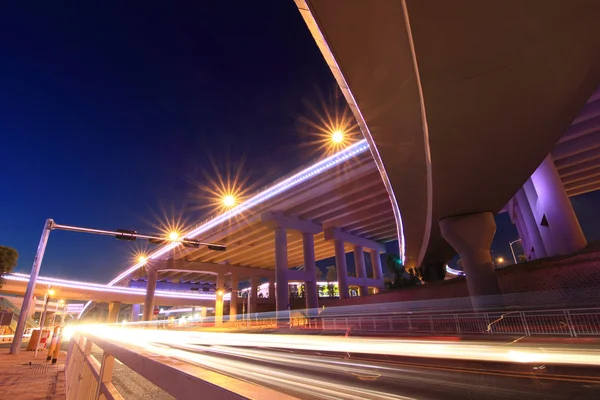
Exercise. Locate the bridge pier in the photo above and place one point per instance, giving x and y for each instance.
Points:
(556, 210)
(234, 296)
(310, 268)
(282, 296)
(219, 299)
(150, 289)
(135, 313)
(342, 268)
(471, 236)
(113, 312)
(361, 270)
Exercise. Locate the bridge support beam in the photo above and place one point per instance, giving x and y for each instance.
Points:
(556, 208)
(135, 313)
(377, 270)
(310, 267)
(471, 236)
(113, 312)
(281, 271)
(219, 299)
(150, 289)
(361, 270)
(342, 268)
(253, 294)
(234, 296)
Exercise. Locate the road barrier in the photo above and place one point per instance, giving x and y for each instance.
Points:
(581, 322)
(87, 378)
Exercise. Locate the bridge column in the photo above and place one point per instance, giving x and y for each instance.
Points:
(377, 271)
(253, 294)
(281, 270)
(150, 289)
(557, 210)
(342, 268)
(234, 296)
(135, 313)
(522, 230)
(272, 289)
(534, 238)
(220, 287)
(471, 236)
(310, 267)
(361, 270)
(113, 312)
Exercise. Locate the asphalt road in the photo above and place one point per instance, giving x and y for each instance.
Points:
(313, 375)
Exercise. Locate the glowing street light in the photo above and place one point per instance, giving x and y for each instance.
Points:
(229, 201)
(142, 260)
(337, 137)
(120, 234)
(500, 260)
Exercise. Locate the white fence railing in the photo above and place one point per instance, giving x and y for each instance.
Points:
(88, 378)
(573, 323)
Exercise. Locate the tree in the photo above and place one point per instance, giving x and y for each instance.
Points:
(8, 261)
(331, 274)
(319, 274)
(395, 266)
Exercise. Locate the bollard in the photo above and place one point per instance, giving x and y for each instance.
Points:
(57, 349)
(52, 344)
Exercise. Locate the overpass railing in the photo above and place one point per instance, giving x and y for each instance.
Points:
(88, 378)
(571, 323)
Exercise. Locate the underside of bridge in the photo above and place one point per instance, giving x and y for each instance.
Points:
(461, 101)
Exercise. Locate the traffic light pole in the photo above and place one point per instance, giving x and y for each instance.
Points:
(15, 347)
(122, 234)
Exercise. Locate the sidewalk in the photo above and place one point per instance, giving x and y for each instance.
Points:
(41, 380)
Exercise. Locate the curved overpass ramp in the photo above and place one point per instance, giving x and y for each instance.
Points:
(463, 99)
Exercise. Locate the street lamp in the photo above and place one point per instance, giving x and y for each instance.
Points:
(500, 260)
(512, 250)
(120, 234)
(337, 136)
(229, 201)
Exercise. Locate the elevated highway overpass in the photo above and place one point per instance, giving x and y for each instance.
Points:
(461, 102)
(451, 138)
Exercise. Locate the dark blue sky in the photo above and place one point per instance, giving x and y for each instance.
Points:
(108, 109)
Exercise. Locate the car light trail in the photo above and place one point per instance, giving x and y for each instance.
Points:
(481, 351)
(55, 282)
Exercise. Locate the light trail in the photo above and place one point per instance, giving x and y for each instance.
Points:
(474, 351)
(56, 282)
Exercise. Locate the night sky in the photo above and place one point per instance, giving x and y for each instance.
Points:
(109, 111)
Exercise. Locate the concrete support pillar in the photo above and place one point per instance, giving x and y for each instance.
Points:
(219, 299)
(471, 236)
(534, 238)
(150, 289)
(310, 267)
(253, 294)
(135, 313)
(281, 270)
(342, 268)
(523, 233)
(234, 296)
(538, 214)
(272, 289)
(202, 313)
(562, 221)
(113, 312)
(376, 263)
(361, 270)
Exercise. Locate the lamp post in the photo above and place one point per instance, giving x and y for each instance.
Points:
(121, 234)
(512, 250)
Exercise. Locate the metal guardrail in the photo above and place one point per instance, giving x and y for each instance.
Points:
(572, 323)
